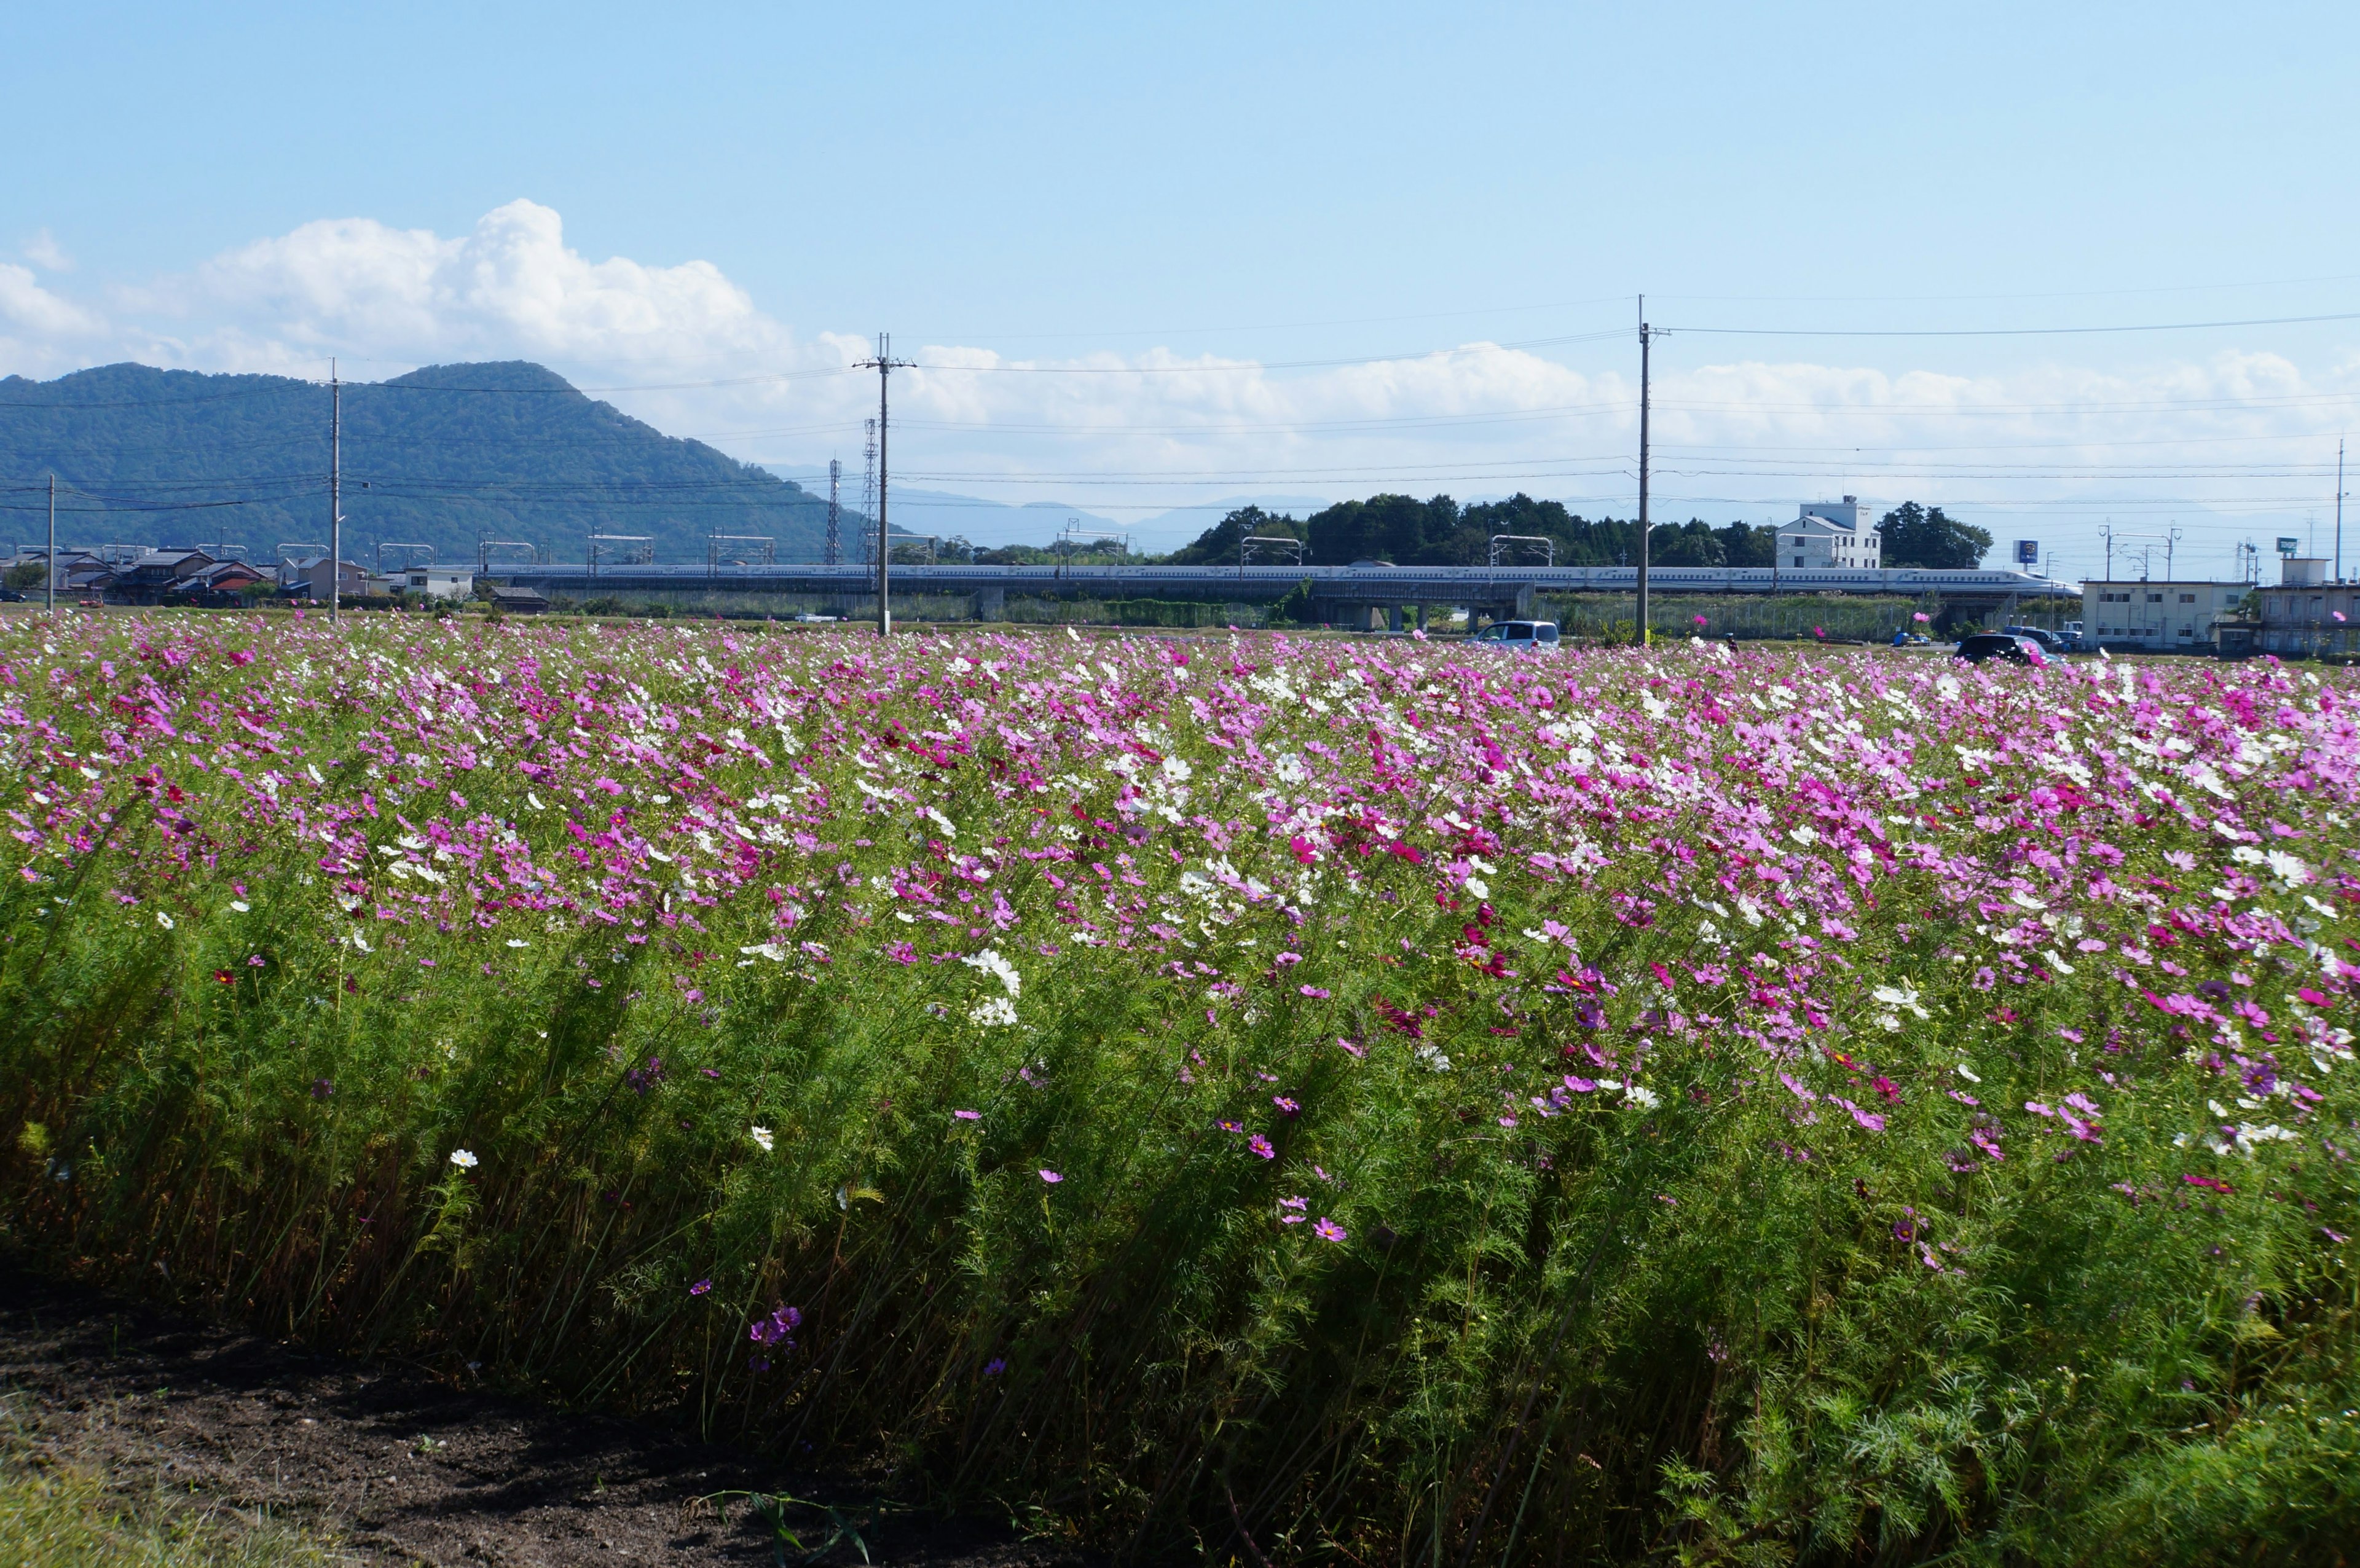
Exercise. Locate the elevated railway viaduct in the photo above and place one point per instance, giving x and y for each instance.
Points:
(1366, 596)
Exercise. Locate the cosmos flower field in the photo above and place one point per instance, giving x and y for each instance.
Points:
(1268, 1099)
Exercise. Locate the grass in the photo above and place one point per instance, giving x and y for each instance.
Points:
(1260, 1098)
(57, 1515)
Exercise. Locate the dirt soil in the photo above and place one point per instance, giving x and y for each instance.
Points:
(402, 1467)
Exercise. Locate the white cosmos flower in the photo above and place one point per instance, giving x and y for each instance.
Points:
(163, 920)
(761, 1136)
(996, 1012)
(1645, 1099)
(1905, 996)
(464, 1158)
(770, 949)
(240, 904)
(990, 961)
(514, 942)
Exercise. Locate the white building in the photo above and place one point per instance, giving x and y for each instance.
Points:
(437, 582)
(2157, 617)
(1830, 534)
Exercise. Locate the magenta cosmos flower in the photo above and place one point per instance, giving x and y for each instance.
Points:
(1328, 1230)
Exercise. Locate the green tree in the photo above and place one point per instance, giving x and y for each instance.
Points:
(1218, 544)
(26, 574)
(1922, 535)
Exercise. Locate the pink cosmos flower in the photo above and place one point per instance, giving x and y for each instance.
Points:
(1050, 1176)
(1262, 1147)
(968, 1116)
(1328, 1230)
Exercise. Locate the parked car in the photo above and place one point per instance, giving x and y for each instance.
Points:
(10, 596)
(1528, 636)
(2049, 640)
(2003, 646)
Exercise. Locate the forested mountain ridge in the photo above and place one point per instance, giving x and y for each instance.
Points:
(443, 456)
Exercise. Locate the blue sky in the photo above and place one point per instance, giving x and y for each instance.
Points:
(721, 192)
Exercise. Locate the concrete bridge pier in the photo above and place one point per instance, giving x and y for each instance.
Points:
(991, 604)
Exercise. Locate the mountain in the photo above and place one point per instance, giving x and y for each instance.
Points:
(944, 513)
(444, 456)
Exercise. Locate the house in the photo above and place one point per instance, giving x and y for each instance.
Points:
(147, 577)
(2157, 617)
(517, 600)
(352, 581)
(1829, 534)
(221, 583)
(437, 582)
(2308, 612)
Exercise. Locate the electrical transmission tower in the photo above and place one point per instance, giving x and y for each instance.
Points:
(835, 514)
(868, 493)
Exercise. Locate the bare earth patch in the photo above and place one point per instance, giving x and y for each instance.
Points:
(397, 1467)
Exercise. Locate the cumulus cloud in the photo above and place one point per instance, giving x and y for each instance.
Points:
(33, 310)
(688, 349)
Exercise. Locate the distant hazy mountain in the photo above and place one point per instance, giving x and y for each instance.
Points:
(441, 456)
(944, 513)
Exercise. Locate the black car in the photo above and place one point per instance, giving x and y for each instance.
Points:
(2049, 641)
(2000, 646)
(10, 596)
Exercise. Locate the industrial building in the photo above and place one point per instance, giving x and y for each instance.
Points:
(2157, 617)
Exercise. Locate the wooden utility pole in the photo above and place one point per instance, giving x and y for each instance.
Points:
(335, 488)
(49, 600)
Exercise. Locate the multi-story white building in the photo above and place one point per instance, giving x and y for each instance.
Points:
(2157, 617)
(1830, 534)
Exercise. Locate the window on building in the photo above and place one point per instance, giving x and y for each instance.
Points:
(2187, 598)
(2155, 598)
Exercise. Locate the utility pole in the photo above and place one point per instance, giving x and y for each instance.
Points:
(49, 600)
(2339, 508)
(1644, 336)
(834, 554)
(2108, 530)
(884, 365)
(2170, 543)
(335, 488)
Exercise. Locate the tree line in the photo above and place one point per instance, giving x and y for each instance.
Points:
(1440, 532)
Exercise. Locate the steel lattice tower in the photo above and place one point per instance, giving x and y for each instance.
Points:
(834, 556)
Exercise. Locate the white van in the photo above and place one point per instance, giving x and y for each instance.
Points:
(1526, 636)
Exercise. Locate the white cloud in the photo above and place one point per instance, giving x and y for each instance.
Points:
(43, 251)
(1127, 434)
(27, 307)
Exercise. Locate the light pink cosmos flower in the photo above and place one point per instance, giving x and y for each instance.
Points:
(1328, 1230)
